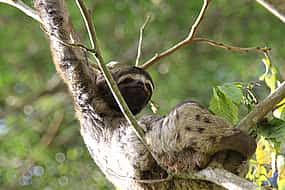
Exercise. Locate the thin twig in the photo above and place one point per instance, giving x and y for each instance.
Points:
(140, 40)
(230, 47)
(71, 44)
(271, 9)
(24, 8)
(261, 109)
(91, 30)
(188, 40)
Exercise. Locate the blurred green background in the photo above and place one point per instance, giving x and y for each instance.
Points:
(40, 143)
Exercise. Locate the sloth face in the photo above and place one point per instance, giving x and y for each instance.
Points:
(135, 85)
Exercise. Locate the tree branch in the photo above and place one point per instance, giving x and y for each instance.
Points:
(24, 8)
(71, 44)
(91, 31)
(140, 40)
(218, 176)
(188, 40)
(272, 9)
(230, 47)
(261, 109)
(225, 179)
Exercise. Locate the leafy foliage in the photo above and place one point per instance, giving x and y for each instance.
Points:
(227, 101)
(270, 77)
(273, 130)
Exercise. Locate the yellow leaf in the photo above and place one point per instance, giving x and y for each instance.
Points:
(281, 184)
(263, 151)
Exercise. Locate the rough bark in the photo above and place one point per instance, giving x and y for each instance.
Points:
(185, 140)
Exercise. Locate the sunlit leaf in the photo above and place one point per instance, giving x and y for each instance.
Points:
(270, 74)
(263, 151)
(223, 106)
(281, 184)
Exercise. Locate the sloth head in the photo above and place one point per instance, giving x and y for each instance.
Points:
(135, 84)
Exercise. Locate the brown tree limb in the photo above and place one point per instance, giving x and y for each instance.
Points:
(218, 176)
(188, 40)
(230, 47)
(191, 38)
(225, 179)
(261, 109)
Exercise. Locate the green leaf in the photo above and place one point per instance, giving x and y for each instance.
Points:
(233, 91)
(223, 106)
(273, 130)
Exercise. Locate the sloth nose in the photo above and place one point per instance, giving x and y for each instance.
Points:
(144, 86)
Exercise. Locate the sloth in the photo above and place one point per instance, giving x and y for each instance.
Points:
(210, 138)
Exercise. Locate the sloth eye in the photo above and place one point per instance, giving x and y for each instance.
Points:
(148, 86)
